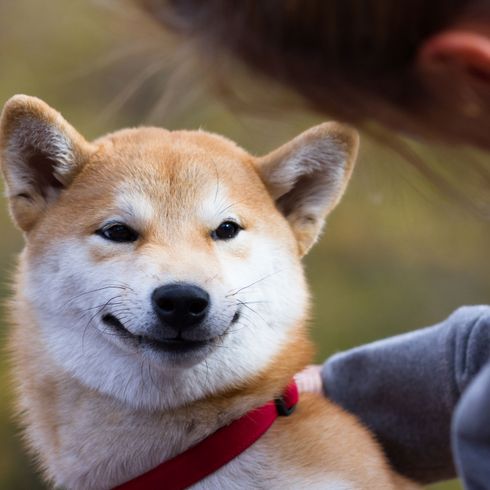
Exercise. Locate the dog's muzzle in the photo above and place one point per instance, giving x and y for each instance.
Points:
(183, 321)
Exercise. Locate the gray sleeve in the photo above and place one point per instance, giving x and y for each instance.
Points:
(405, 388)
(471, 432)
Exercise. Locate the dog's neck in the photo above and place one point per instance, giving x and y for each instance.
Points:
(231, 404)
(120, 442)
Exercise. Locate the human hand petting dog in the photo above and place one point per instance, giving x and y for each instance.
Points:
(310, 380)
(443, 368)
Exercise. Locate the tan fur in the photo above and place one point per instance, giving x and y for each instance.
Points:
(85, 438)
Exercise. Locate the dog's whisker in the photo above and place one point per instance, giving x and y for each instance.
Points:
(228, 206)
(111, 286)
(216, 191)
(89, 323)
(252, 310)
(236, 291)
(258, 302)
(243, 325)
(102, 305)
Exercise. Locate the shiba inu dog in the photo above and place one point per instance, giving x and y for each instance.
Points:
(160, 296)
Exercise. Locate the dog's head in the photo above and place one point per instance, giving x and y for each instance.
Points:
(161, 267)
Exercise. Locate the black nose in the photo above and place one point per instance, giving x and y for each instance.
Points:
(180, 305)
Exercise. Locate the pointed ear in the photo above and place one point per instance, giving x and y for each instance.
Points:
(40, 154)
(308, 176)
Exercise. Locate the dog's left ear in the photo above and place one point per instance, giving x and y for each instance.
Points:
(40, 154)
(307, 177)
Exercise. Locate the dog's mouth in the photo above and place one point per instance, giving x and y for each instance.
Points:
(177, 345)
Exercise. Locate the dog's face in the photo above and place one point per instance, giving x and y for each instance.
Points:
(161, 267)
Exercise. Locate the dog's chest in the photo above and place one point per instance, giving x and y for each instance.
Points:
(120, 448)
(257, 468)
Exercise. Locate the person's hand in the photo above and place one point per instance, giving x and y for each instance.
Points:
(309, 380)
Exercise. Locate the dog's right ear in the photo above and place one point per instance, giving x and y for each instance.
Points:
(40, 154)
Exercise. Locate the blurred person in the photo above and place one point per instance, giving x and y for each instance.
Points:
(423, 69)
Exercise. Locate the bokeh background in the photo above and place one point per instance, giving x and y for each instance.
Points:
(396, 254)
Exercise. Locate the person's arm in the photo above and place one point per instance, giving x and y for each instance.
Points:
(471, 432)
(405, 388)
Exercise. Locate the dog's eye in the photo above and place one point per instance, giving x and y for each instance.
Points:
(226, 230)
(117, 232)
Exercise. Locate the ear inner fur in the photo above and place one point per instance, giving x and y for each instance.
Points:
(308, 176)
(40, 154)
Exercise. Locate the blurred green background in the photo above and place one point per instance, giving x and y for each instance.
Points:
(396, 254)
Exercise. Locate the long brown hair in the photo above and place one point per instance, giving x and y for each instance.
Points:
(353, 59)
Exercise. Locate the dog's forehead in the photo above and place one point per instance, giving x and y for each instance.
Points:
(173, 171)
(175, 155)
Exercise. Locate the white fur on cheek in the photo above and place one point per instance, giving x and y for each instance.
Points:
(43, 137)
(268, 289)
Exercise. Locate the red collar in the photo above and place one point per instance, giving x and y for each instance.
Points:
(216, 450)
